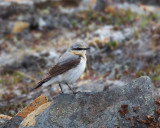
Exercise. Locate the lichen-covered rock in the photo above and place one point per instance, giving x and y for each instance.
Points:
(4, 118)
(15, 121)
(122, 107)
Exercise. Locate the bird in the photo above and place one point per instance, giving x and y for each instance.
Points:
(68, 68)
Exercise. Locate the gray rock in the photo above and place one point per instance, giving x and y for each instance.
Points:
(12, 123)
(122, 107)
(148, 2)
(92, 86)
(100, 5)
(25, 65)
(11, 8)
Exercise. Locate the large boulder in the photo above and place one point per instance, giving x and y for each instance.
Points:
(124, 107)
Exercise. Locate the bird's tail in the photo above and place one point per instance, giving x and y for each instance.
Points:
(41, 83)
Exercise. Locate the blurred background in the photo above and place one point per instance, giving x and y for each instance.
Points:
(123, 36)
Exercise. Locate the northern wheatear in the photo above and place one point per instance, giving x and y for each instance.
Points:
(68, 68)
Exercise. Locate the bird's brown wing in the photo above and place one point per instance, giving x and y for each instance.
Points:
(64, 65)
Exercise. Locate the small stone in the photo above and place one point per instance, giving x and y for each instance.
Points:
(19, 26)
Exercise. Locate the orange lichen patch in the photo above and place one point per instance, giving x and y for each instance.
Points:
(30, 119)
(110, 9)
(5, 117)
(93, 2)
(19, 26)
(32, 106)
(139, 4)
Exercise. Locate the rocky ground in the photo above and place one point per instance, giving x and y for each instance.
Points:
(128, 106)
(124, 42)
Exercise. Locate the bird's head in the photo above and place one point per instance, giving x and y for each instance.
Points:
(78, 48)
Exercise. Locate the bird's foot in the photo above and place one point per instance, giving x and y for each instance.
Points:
(61, 88)
(76, 92)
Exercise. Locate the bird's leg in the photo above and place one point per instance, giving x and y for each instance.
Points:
(60, 87)
(49, 92)
(70, 88)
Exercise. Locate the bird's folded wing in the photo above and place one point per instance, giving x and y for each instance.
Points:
(64, 64)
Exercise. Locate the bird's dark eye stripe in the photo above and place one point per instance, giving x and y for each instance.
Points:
(78, 49)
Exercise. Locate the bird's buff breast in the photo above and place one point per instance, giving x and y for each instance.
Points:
(72, 75)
